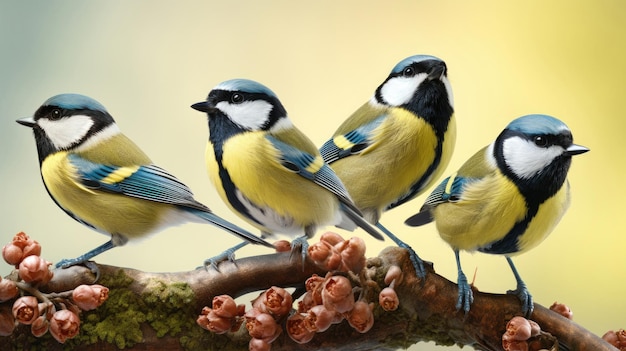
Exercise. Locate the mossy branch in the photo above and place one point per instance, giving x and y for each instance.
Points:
(158, 311)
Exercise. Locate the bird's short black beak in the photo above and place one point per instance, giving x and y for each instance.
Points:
(437, 71)
(576, 150)
(28, 121)
(203, 106)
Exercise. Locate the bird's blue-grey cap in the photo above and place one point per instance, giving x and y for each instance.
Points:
(411, 59)
(74, 102)
(538, 124)
(246, 86)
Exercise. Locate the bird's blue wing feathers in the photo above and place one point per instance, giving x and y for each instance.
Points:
(147, 182)
(310, 167)
(152, 183)
(449, 190)
(350, 143)
(316, 170)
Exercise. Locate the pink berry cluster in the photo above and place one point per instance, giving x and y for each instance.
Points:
(519, 332)
(333, 253)
(562, 309)
(616, 338)
(55, 312)
(328, 300)
(262, 320)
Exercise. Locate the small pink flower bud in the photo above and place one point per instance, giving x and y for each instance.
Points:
(35, 270)
(318, 318)
(616, 338)
(306, 302)
(353, 255)
(26, 309)
(337, 294)
(225, 306)
(40, 326)
(89, 297)
(32, 248)
(562, 309)
(8, 289)
(361, 318)
(214, 323)
(314, 285)
(388, 299)
(297, 330)
(514, 345)
(259, 345)
(393, 273)
(12, 254)
(261, 325)
(278, 302)
(7, 321)
(331, 238)
(518, 329)
(20, 247)
(21, 240)
(282, 246)
(535, 329)
(324, 255)
(64, 325)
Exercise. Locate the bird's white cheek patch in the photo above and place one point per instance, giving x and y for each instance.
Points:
(250, 115)
(527, 159)
(399, 90)
(66, 131)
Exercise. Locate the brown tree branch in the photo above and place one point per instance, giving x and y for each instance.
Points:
(158, 310)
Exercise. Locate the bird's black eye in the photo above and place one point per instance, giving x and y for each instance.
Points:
(55, 114)
(408, 72)
(236, 98)
(540, 141)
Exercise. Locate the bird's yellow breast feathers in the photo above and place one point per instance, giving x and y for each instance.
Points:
(126, 216)
(254, 167)
(488, 210)
(403, 148)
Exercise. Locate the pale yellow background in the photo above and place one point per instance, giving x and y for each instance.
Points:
(147, 61)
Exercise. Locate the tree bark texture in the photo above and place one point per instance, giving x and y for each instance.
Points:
(157, 311)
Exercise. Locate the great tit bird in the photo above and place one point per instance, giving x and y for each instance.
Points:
(506, 198)
(266, 170)
(102, 179)
(398, 143)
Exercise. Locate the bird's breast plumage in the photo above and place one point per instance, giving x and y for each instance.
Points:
(126, 216)
(250, 173)
(402, 150)
(492, 216)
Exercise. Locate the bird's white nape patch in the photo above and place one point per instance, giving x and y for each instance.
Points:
(66, 131)
(399, 90)
(446, 83)
(527, 159)
(106, 133)
(252, 114)
(282, 123)
(491, 159)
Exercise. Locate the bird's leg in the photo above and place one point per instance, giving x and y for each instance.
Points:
(466, 297)
(301, 243)
(115, 241)
(418, 264)
(521, 291)
(226, 255)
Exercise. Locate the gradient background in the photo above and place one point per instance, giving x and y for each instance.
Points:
(147, 61)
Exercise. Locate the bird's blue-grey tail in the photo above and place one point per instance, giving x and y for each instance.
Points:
(231, 228)
(358, 219)
(425, 216)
